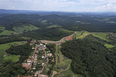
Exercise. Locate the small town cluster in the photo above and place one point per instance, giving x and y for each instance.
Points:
(39, 61)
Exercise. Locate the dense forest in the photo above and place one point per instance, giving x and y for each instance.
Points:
(90, 57)
(54, 26)
(90, 21)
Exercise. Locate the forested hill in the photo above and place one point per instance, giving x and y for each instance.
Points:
(78, 21)
(54, 26)
(90, 57)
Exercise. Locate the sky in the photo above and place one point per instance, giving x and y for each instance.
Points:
(60, 5)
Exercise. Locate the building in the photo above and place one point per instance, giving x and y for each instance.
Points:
(49, 55)
(42, 64)
(35, 56)
(43, 57)
(26, 65)
(28, 60)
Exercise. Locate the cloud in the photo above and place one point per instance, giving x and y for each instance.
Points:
(59, 5)
(107, 7)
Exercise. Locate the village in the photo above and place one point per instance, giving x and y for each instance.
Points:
(39, 62)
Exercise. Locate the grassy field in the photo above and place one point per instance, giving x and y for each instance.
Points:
(67, 73)
(44, 21)
(82, 34)
(101, 35)
(6, 32)
(7, 45)
(108, 46)
(64, 63)
(65, 30)
(52, 26)
(14, 58)
(56, 54)
(112, 22)
(60, 56)
(25, 28)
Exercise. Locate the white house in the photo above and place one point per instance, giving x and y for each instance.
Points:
(28, 60)
(50, 54)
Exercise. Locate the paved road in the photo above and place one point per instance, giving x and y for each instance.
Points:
(44, 64)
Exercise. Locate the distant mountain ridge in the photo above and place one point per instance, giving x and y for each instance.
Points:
(5, 11)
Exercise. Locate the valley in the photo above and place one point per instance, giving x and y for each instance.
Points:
(66, 45)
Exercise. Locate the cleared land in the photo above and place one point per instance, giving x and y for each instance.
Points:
(25, 28)
(6, 46)
(14, 58)
(82, 34)
(6, 32)
(53, 26)
(67, 73)
(108, 46)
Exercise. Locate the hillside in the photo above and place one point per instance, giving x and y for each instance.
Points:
(90, 57)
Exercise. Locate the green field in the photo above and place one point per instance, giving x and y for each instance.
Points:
(44, 21)
(65, 30)
(82, 34)
(7, 45)
(108, 46)
(14, 58)
(101, 35)
(60, 56)
(25, 28)
(67, 73)
(52, 26)
(64, 63)
(112, 22)
(56, 54)
(6, 32)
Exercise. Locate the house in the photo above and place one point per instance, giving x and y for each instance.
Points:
(50, 54)
(28, 60)
(34, 67)
(44, 46)
(43, 57)
(41, 75)
(26, 65)
(33, 47)
(36, 51)
(35, 59)
(35, 56)
(42, 64)
(27, 76)
(52, 60)
(47, 51)
(27, 68)
(29, 56)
